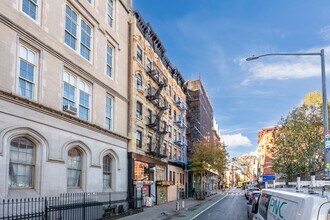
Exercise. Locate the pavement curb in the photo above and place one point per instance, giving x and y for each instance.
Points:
(205, 206)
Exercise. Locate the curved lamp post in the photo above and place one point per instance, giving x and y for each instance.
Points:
(324, 98)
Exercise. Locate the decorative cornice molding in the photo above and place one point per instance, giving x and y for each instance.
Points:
(30, 37)
(57, 114)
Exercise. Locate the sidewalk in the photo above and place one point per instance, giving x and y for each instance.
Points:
(167, 211)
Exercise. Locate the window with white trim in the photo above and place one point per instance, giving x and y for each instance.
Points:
(22, 163)
(74, 24)
(110, 13)
(32, 8)
(110, 59)
(77, 93)
(107, 171)
(108, 113)
(28, 68)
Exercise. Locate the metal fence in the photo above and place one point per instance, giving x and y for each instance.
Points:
(69, 206)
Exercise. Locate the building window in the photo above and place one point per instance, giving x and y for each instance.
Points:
(175, 133)
(174, 115)
(170, 176)
(73, 94)
(110, 50)
(149, 143)
(74, 165)
(110, 13)
(108, 112)
(72, 27)
(139, 54)
(149, 90)
(169, 110)
(107, 172)
(31, 8)
(21, 165)
(27, 71)
(163, 126)
(139, 81)
(173, 177)
(149, 116)
(157, 74)
(139, 139)
(170, 90)
(86, 36)
(169, 153)
(84, 102)
(149, 65)
(175, 154)
(139, 110)
(169, 131)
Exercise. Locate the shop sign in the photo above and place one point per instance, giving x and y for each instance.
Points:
(164, 183)
(144, 182)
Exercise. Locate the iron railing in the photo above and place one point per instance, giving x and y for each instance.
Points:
(69, 206)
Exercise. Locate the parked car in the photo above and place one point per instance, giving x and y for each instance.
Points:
(277, 204)
(250, 204)
(249, 191)
(253, 195)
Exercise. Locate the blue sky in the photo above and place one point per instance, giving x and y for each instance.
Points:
(211, 39)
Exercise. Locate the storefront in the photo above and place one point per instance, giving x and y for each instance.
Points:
(144, 175)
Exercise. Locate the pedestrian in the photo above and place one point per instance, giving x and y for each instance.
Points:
(193, 192)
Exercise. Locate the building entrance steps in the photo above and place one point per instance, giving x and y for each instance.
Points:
(168, 210)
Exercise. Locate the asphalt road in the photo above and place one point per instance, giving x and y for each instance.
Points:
(232, 207)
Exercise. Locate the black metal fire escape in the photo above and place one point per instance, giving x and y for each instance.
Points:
(161, 104)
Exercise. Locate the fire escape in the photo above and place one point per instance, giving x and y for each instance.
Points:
(160, 103)
(181, 123)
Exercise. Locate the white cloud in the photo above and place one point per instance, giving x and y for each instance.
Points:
(236, 140)
(285, 67)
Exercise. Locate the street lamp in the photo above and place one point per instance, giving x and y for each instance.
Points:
(324, 98)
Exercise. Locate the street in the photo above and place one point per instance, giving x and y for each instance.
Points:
(233, 206)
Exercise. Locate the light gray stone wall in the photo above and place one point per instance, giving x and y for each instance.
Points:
(42, 120)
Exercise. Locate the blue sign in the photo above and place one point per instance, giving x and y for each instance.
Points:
(268, 178)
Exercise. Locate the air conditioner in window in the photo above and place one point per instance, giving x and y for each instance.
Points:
(70, 109)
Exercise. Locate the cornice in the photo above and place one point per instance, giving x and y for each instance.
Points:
(10, 97)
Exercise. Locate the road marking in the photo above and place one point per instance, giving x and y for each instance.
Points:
(209, 207)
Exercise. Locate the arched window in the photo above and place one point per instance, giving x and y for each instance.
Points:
(74, 164)
(22, 163)
(139, 81)
(149, 90)
(107, 172)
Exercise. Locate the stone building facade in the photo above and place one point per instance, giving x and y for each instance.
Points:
(157, 118)
(63, 96)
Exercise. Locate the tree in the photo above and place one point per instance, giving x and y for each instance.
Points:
(244, 165)
(207, 155)
(298, 144)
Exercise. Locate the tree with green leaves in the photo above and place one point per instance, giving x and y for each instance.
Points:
(206, 155)
(298, 143)
(244, 165)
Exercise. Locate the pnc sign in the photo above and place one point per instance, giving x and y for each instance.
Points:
(276, 206)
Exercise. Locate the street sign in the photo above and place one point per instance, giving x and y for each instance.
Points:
(268, 177)
(327, 141)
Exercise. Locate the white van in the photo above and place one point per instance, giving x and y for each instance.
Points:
(277, 204)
